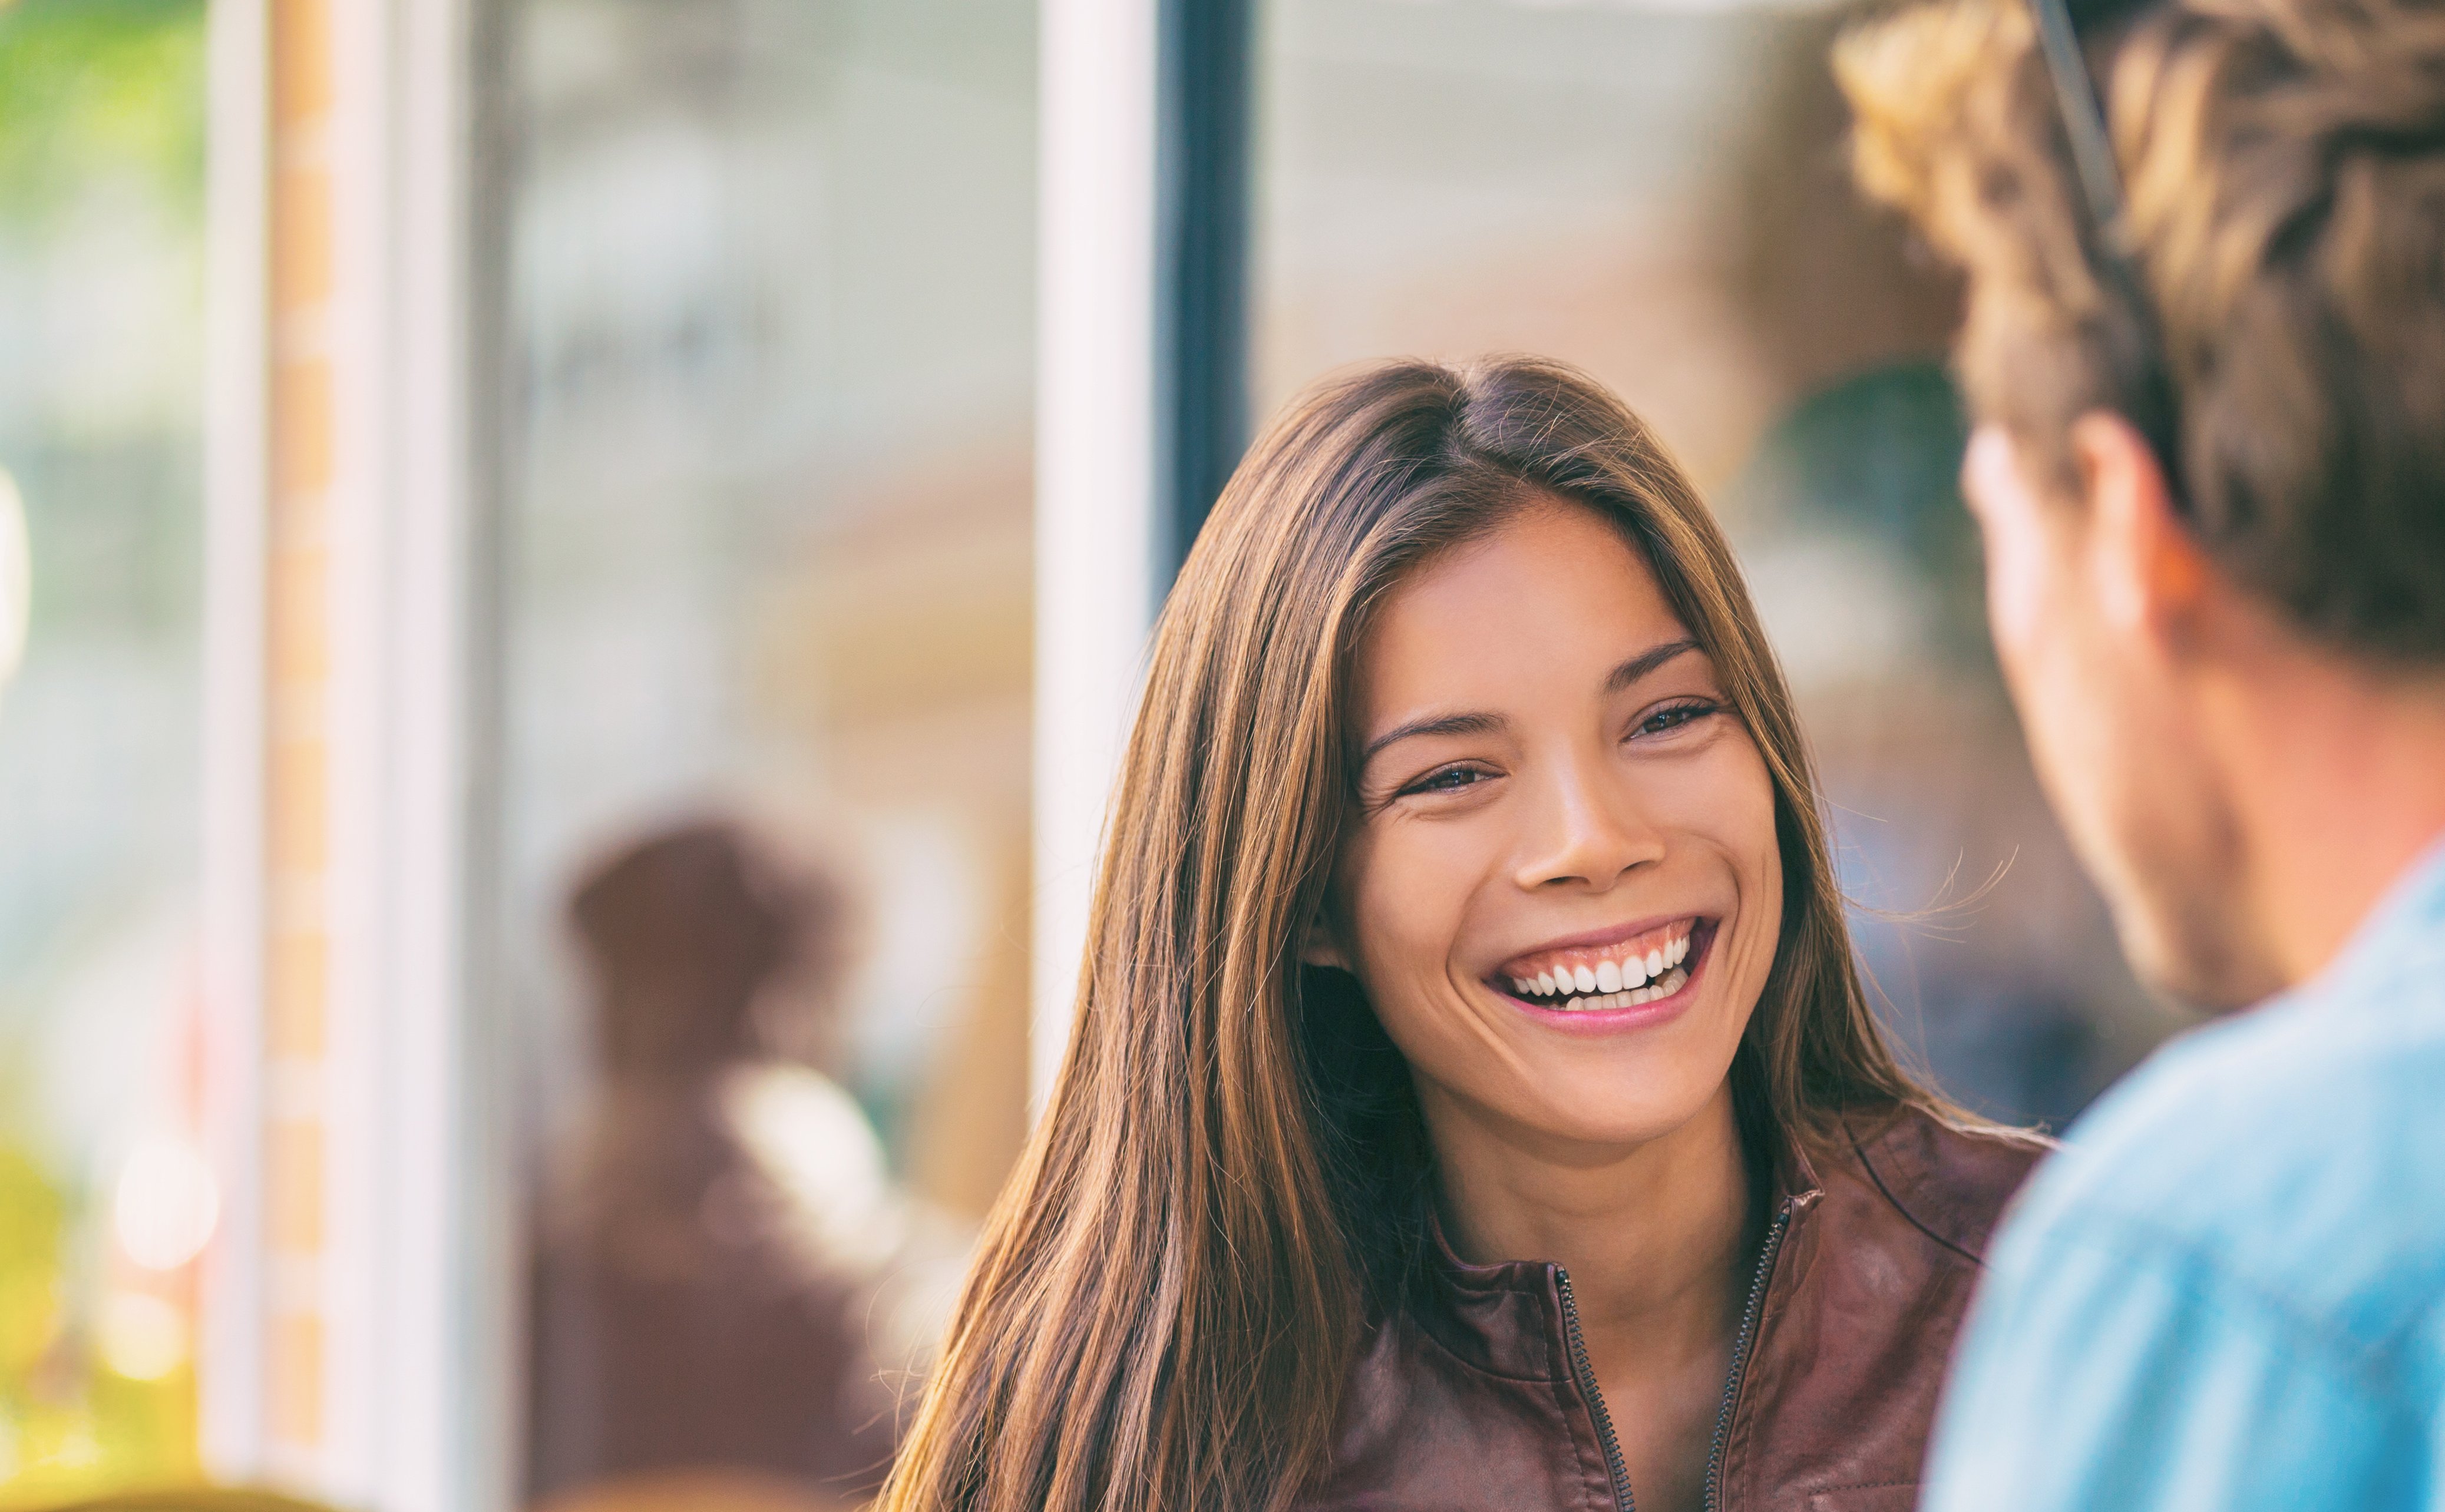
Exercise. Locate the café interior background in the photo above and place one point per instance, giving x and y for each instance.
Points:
(760, 546)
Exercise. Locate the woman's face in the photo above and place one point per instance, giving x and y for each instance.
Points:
(1562, 889)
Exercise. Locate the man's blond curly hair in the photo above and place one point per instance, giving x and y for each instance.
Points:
(2284, 162)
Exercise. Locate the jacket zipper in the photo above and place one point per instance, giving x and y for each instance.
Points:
(1742, 1344)
(1614, 1468)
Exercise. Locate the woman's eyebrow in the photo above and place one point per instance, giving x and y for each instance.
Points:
(1624, 676)
(1629, 674)
(1437, 725)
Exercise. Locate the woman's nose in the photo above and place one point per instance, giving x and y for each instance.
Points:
(1587, 834)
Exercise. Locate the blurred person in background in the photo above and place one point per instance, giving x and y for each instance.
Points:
(727, 1282)
(1473, 1101)
(1986, 947)
(2206, 346)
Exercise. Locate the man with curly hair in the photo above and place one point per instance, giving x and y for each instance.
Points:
(2203, 251)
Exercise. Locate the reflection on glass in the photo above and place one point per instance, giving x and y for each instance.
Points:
(770, 282)
(104, 1200)
(727, 1273)
(1657, 193)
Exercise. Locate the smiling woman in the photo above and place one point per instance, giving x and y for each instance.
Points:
(1473, 1100)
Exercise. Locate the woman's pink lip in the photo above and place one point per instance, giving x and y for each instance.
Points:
(1640, 1016)
(1596, 939)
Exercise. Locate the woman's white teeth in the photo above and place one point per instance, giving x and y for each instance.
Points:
(1596, 1002)
(1606, 984)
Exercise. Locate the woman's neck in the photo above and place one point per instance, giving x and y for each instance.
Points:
(1656, 1236)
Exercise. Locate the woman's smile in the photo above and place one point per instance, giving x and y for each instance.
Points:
(1632, 976)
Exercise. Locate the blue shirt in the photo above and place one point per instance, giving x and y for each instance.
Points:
(2228, 1291)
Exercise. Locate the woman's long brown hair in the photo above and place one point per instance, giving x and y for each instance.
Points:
(1228, 1180)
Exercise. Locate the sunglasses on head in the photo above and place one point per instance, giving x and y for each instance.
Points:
(2151, 386)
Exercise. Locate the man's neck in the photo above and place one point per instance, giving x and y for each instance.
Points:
(2337, 775)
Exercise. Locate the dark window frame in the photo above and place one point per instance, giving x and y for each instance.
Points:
(1206, 111)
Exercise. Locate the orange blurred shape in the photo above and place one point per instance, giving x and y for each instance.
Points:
(190, 1499)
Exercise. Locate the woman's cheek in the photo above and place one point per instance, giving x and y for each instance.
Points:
(1399, 924)
(1760, 930)
(1739, 813)
(1407, 915)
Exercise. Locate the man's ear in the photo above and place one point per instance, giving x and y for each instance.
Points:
(2144, 566)
(1320, 942)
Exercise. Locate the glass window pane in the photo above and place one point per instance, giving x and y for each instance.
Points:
(767, 654)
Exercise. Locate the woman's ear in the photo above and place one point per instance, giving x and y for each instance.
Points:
(1320, 942)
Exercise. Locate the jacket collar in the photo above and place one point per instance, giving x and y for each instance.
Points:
(1506, 1317)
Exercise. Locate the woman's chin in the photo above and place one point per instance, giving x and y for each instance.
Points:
(1627, 1076)
(1605, 1119)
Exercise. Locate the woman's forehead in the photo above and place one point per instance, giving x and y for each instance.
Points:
(1553, 597)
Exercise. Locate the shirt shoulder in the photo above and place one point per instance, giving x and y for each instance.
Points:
(2224, 1295)
(2295, 1154)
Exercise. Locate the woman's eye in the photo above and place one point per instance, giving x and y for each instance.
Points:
(1673, 716)
(1450, 779)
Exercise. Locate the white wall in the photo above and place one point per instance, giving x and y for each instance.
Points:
(1095, 499)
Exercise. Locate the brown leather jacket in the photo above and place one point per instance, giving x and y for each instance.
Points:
(1478, 1397)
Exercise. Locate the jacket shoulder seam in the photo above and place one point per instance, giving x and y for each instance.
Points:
(1885, 1189)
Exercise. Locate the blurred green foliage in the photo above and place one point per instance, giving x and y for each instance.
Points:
(104, 99)
(92, 93)
(92, 88)
(30, 1240)
(70, 1426)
